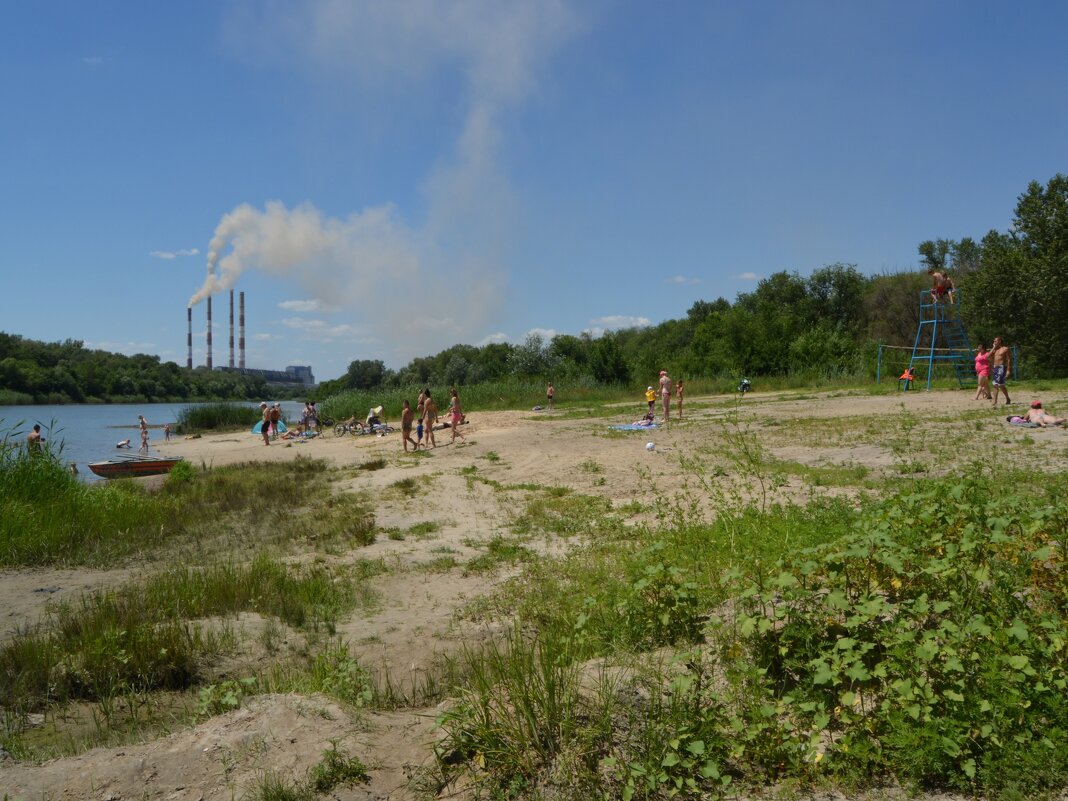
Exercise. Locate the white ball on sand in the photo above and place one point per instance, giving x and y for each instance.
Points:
(650, 446)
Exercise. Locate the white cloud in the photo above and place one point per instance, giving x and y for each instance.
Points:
(265, 337)
(173, 254)
(301, 305)
(682, 279)
(617, 321)
(546, 334)
(320, 329)
(493, 339)
(747, 277)
(127, 348)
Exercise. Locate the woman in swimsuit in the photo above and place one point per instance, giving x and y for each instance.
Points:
(982, 372)
(430, 416)
(457, 415)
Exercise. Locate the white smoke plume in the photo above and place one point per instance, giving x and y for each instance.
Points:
(372, 262)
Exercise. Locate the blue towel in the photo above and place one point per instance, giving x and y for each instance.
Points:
(633, 427)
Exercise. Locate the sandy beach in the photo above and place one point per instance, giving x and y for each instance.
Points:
(426, 588)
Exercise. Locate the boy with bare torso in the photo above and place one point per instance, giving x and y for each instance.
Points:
(1000, 363)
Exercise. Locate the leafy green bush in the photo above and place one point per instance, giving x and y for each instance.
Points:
(928, 644)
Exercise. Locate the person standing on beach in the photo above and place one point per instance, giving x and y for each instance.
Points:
(1001, 362)
(420, 402)
(276, 418)
(665, 394)
(456, 416)
(430, 416)
(550, 393)
(167, 432)
(406, 427)
(650, 397)
(265, 425)
(982, 373)
(678, 396)
(143, 424)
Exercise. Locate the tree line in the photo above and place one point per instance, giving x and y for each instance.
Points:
(828, 324)
(68, 372)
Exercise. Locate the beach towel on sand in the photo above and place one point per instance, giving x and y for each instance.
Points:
(633, 427)
(1015, 420)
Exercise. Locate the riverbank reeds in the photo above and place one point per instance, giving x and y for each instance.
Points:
(217, 417)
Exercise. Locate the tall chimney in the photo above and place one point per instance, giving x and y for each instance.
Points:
(189, 338)
(209, 332)
(231, 329)
(241, 341)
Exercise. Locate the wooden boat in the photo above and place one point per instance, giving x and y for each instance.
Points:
(131, 466)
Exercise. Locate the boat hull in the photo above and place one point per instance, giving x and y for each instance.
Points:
(128, 468)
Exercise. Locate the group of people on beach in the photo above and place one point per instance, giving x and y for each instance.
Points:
(992, 367)
(424, 419)
(665, 391)
(271, 418)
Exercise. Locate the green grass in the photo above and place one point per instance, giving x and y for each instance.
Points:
(140, 638)
(103, 523)
(918, 639)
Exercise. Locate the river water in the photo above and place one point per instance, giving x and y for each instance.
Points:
(89, 433)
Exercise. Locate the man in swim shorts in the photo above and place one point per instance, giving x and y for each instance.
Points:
(941, 285)
(1000, 362)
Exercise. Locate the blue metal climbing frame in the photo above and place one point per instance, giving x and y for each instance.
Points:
(940, 322)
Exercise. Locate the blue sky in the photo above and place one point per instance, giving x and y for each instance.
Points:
(384, 180)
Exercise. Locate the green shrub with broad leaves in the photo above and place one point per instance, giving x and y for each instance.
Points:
(923, 642)
(929, 644)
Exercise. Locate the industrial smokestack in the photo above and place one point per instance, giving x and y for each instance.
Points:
(189, 338)
(209, 332)
(241, 342)
(231, 365)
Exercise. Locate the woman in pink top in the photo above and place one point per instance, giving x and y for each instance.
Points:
(982, 370)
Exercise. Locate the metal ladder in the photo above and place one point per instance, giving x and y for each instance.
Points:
(942, 320)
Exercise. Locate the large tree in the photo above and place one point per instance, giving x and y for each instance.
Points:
(1020, 291)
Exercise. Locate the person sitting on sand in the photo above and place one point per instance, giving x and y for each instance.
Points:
(1036, 414)
(648, 420)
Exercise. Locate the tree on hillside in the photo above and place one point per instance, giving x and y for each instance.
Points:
(1020, 291)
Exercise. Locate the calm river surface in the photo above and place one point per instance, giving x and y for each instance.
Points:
(88, 433)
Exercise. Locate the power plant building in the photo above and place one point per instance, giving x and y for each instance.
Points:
(298, 375)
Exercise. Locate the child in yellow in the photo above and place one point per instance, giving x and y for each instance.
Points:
(650, 396)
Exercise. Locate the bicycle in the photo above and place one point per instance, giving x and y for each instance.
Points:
(350, 426)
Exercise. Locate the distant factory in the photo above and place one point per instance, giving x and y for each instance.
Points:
(292, 376)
